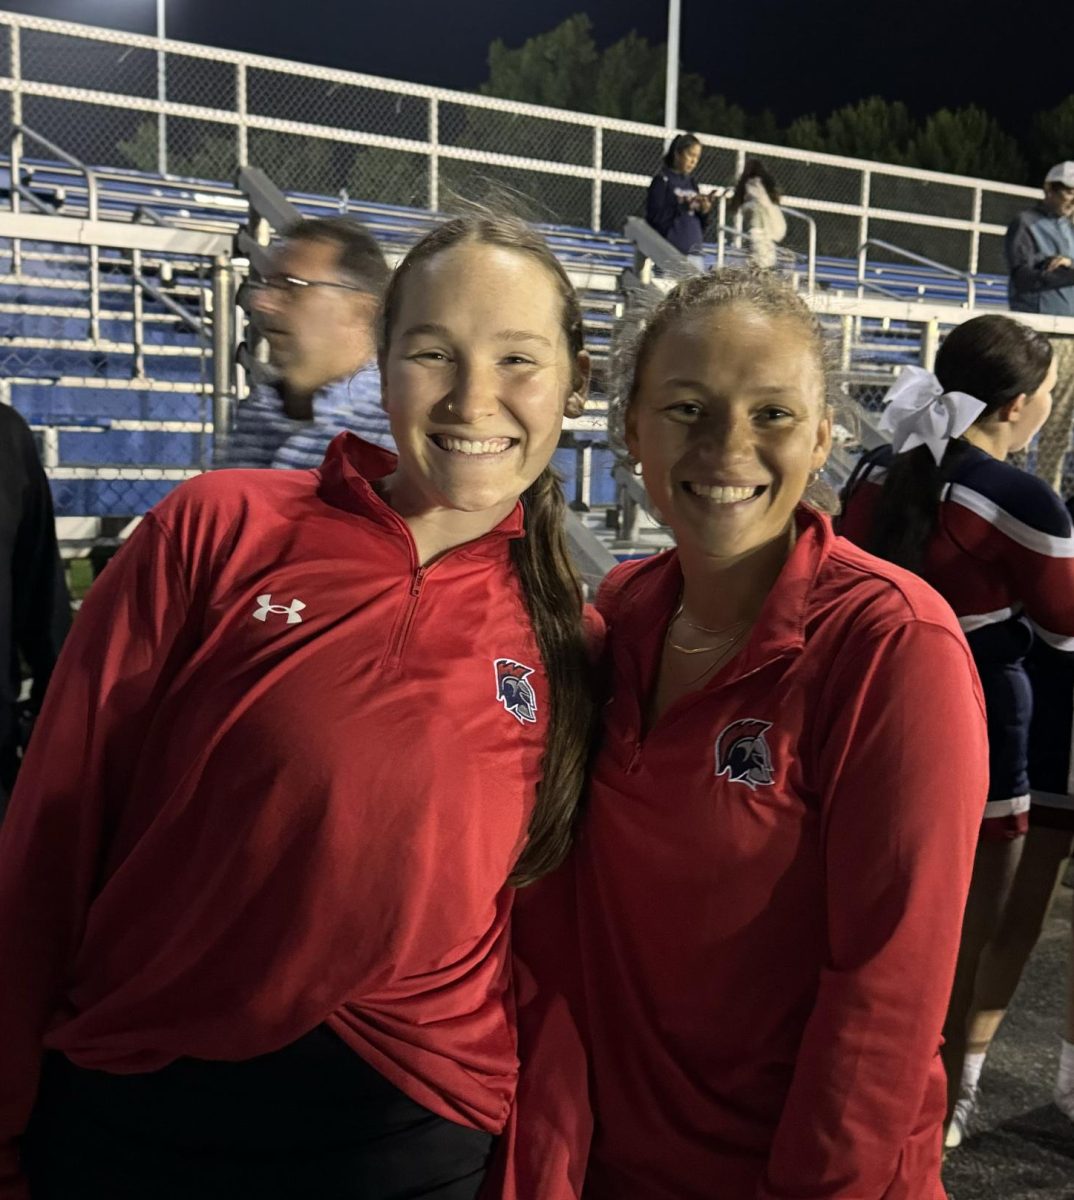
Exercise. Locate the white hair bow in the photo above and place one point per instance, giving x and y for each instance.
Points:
(918, 412)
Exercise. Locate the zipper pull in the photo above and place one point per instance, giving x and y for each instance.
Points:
(419, 579)
(635, 759)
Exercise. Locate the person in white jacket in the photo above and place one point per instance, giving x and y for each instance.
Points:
(758, 197)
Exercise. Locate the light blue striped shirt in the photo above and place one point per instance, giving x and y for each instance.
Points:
(265, 436)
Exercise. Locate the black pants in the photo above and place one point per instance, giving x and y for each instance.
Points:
(310, 1122)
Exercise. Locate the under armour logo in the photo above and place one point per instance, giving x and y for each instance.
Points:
(290, 610)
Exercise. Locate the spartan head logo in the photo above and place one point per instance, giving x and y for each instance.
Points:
(742, 754)
(515, 692)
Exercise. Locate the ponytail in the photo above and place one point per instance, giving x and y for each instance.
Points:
(553, 596)
(908, 507)
(993, 358)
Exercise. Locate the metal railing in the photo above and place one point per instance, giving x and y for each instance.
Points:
(910, 256)
(811, 245)
(140, 283)
(652, 249)
(19, 132)
(322, 130)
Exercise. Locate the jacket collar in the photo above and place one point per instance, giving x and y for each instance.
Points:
(348, 476)
(780, 625)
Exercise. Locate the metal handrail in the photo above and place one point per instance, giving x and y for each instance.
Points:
(193, 323)
(965, 276)
(27, 193)
(19, 131)
(266, 199)
(78, 164)
(144, 212)
(811, 246)
(652, 247)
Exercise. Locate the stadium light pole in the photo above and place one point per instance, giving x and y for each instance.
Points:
(162, 94)
(671, 83)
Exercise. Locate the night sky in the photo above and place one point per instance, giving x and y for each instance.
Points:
(794, 56)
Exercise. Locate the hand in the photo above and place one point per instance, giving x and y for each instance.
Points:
(704, 204)
(1060, 260)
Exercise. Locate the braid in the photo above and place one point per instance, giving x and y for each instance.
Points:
(554, 599)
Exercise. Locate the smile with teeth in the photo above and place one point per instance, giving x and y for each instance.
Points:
(724, 495)
(455, 445)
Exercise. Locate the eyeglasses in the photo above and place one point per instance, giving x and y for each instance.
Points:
(289, 285)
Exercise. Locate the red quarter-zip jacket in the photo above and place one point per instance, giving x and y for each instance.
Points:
(280, 779)
(770, 886)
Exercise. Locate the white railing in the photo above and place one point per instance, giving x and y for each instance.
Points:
(317, 129)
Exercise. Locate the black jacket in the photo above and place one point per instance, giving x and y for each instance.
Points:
(35, 609)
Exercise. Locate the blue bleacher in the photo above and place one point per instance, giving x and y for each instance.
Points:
(83, 412)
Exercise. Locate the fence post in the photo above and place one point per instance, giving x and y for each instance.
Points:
(846, 342)
(930, 342)
(865, 199)
(243, 146)
(975, 237)
(598, 165)
(138, 314)
(162, 93)
(15, 156)
(223, 350)
(434, 157)
(740, 166)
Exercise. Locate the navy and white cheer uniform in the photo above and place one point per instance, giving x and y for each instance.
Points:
(1002, 555)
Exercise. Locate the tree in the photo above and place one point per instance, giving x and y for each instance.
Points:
(967, 142)
(555, 68)
(214, 156)
(806, 133)
(564, 68)
(763, 127)
(630, 81)
(708, 114)
(1052, 137)
(873, 128)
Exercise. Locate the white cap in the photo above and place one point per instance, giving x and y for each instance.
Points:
(1061, 173)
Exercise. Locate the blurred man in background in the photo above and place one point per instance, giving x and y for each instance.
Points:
(316, 308)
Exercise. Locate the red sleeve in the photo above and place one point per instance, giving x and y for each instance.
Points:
(903, 770)
(542, 1153)
(126, 643)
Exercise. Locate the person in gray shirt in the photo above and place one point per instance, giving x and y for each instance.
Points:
(1040, 256)
(1040, 249)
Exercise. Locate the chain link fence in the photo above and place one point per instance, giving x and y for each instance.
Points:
(115, 384)
(101, 96)
(869, 353)
(119, 386)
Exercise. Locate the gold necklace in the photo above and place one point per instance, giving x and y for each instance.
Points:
(719, 662)
(737, 627)
(679, 612)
